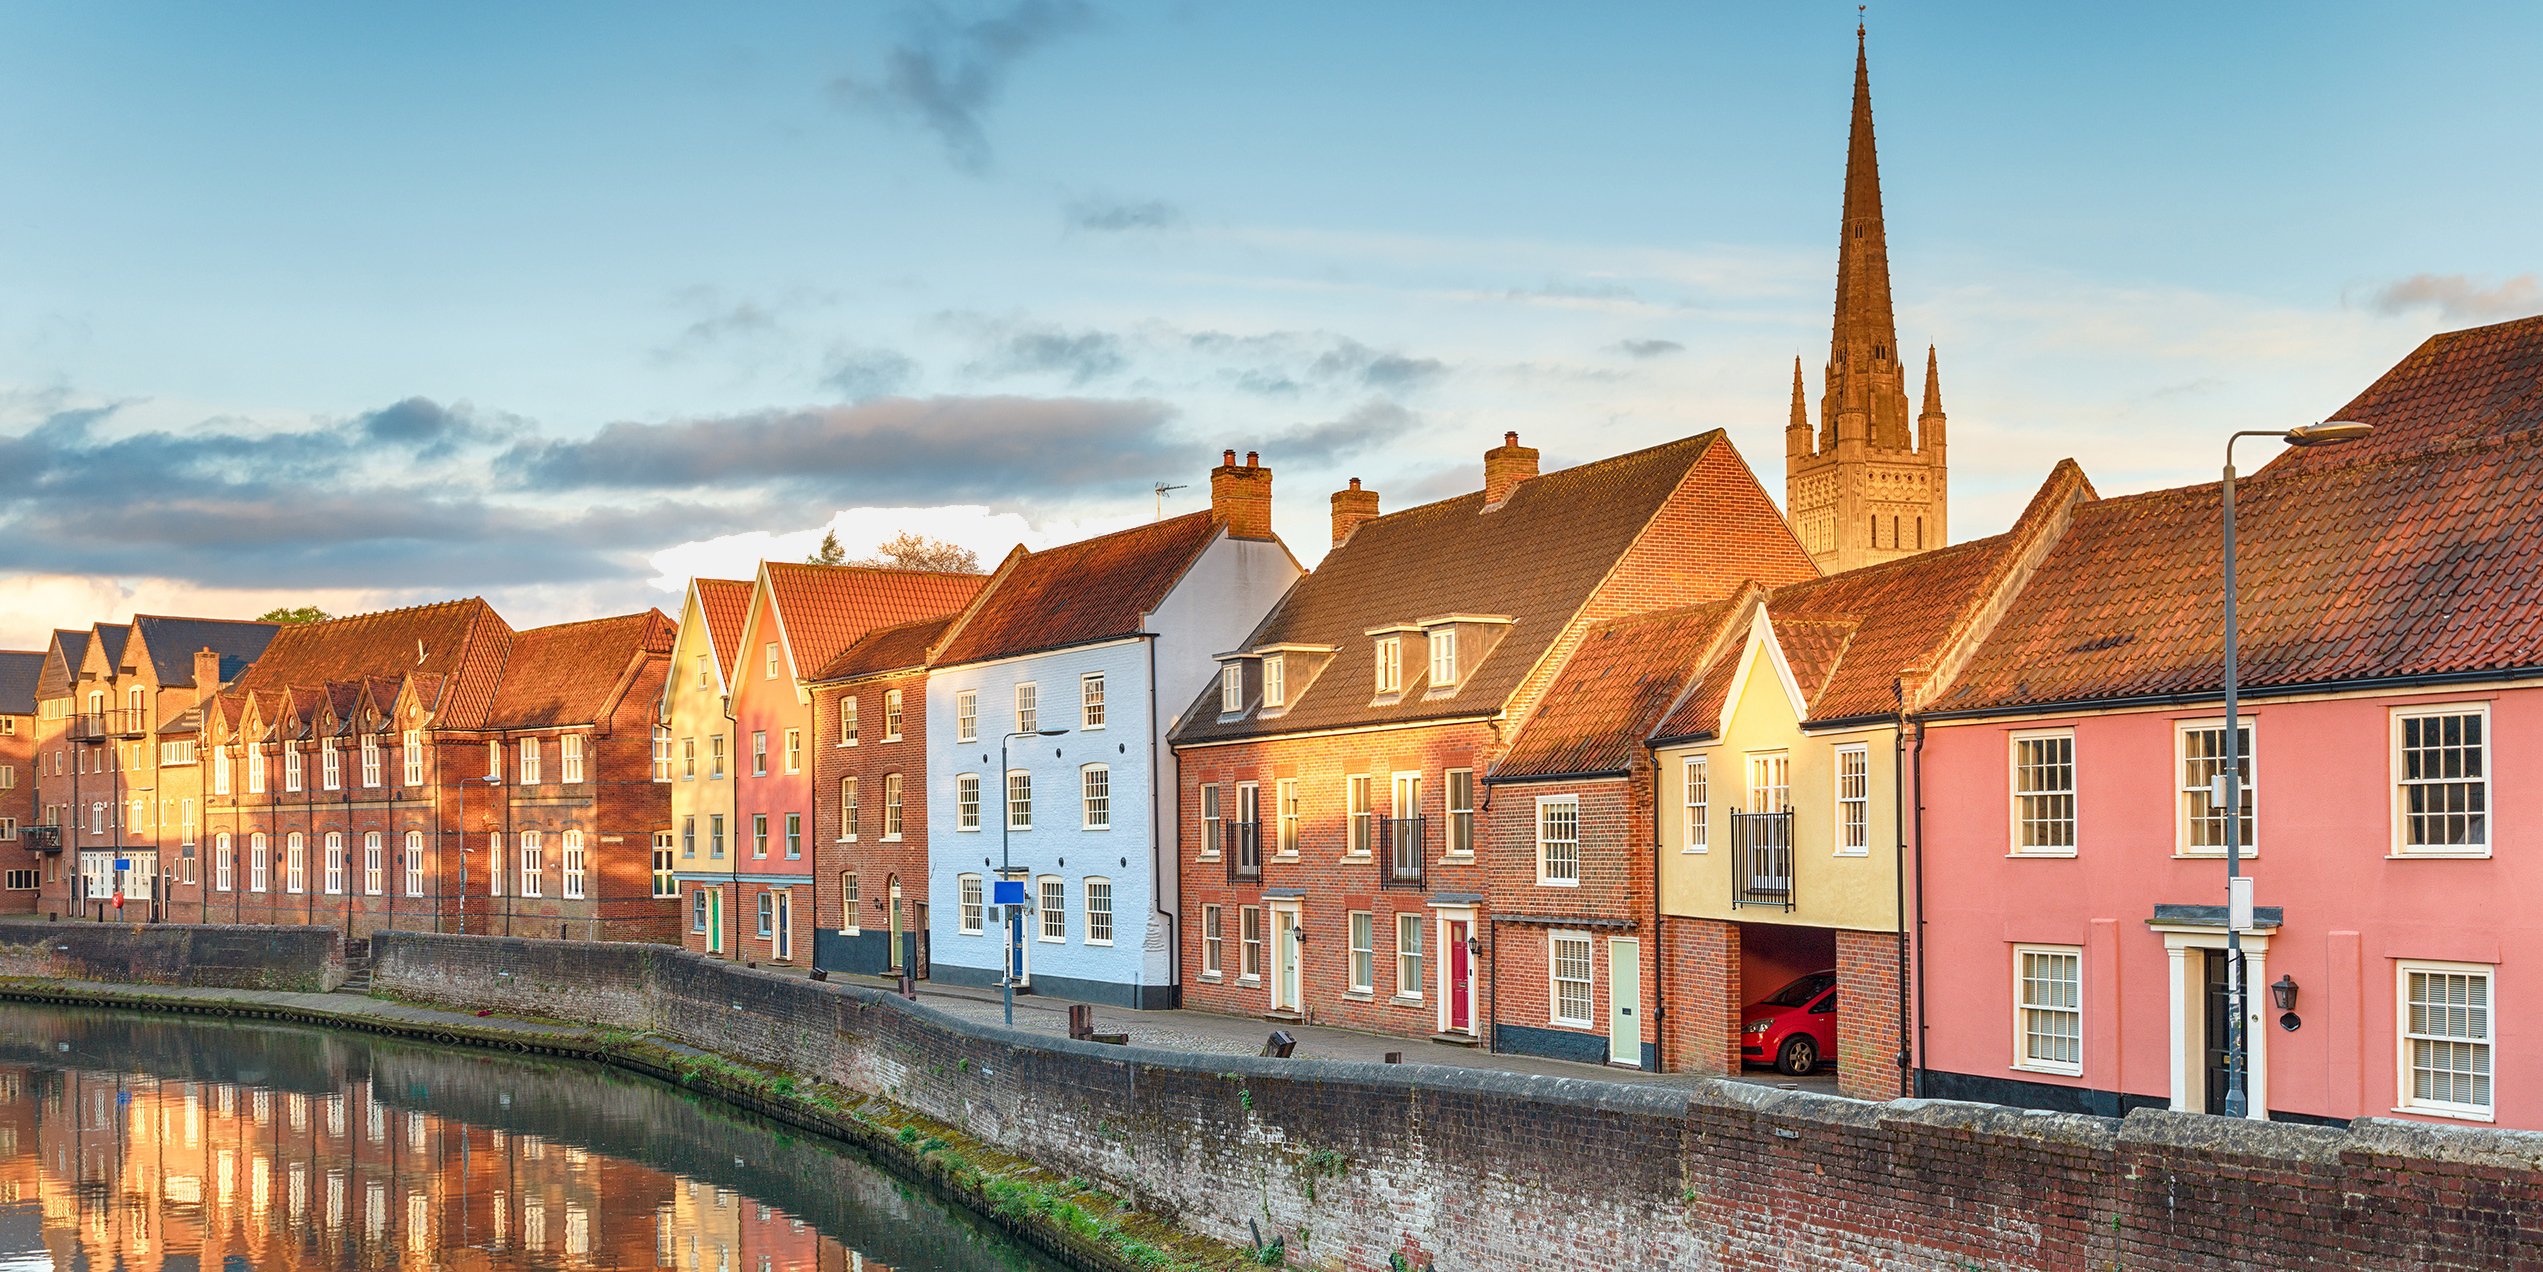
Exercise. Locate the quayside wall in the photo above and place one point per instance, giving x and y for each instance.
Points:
(1484, 1172)
(224, 956)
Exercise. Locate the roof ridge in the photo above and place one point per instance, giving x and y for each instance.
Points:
(1707, 436)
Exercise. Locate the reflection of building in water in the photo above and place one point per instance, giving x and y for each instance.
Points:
(139, 1171)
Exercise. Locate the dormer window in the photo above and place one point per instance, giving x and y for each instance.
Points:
(1275, 681)
(1443, 658)
(1231, 688)
(1390, 664)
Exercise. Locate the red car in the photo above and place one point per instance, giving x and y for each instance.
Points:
(1794, 1027)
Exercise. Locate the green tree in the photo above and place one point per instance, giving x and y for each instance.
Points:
(831, 553)
(288, 614)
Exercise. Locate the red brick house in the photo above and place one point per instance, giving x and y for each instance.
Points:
(23, 866)
(869, 765)
(1334, 867)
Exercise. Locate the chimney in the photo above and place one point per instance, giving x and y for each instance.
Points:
(1350, 508)
(1240, 497)
(207, 673)
(1504, 467)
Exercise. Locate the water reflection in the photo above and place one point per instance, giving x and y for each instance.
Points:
(136, 1141)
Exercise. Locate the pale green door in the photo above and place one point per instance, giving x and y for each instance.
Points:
(1624, 1001)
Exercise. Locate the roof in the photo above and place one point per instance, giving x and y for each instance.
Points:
(572, 673)
(726, 603)
(1095, 589)
(172, 642)
(62, 672)
(1536, 559)
(111, 639)
(825, 608)
(465, 639)
(2428, 563)
(2458, 387)
(19, 670)
(901, 648)
(1614, 690)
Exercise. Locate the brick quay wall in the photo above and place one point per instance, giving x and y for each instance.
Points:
(224, 956)
(1353, 1164)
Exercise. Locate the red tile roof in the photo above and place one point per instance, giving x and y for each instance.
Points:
(901, 648)
(1615, 688)
(825, 608)
(2429, 563)
(2458, 387)
(727, 605)
(464, 639)
(573, 673)
(1091, 590)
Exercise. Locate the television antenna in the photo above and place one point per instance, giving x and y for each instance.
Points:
(1162, 488)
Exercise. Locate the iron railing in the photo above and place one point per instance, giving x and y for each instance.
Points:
(97, 726)
(1761, 859)
(1400, 846)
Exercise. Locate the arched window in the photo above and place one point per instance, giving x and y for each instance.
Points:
(414, 863)
(257, 862)
(295, 862)
(224, 861)
(335, 863)
(371, 864)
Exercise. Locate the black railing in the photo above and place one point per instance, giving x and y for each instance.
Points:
(1400, 844)
(1244, 848)
(97, 726)
(1761, 859)
(43, 839)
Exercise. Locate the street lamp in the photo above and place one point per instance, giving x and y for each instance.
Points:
(2237, 888)
(1006, 865)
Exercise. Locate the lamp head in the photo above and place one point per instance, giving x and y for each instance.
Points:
(1049, 733)
(2327, 433)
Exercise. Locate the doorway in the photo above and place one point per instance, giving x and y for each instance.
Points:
(1459, 986)
(2216, 1042)
(784, 924)
(1286, 972)
(715, 921)
(1624, 995)
(892, 958)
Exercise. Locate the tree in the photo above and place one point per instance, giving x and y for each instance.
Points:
(910, 550)
(831, 553)
(287, 614)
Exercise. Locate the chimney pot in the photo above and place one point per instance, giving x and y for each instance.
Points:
(1351, 506)
(1241, 497)
(1253, 460)
(1504, 467)
(1510, 438)
(1229, 459)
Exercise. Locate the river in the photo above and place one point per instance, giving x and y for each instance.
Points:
(138, 1141)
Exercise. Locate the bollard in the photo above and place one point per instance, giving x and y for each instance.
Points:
(1395, 1057)
(1081, 1021)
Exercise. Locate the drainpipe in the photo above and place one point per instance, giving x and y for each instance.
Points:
(1916, 1072)
(1659, 952)
(1156, 842)
(1898, 825)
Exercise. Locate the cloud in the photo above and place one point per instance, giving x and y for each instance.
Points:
(860, 374)
(886, 449)
(1370, 425)
(946, 72)
(1648, 348)
(1114, 216)
(2458, 298)
(1350, 360)
(1077, 356)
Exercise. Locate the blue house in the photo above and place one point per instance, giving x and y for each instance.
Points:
(1048, 704)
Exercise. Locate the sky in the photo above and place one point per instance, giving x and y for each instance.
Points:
(562, 304)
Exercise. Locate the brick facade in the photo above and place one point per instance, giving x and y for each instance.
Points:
(1700, 981)
(889, 864)
(1610, 903)
(1871, 1017)
(18, 806)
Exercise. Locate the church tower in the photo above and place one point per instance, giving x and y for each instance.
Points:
(1865, 488)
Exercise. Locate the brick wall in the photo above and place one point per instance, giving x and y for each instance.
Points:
(1701, 983)
(19, 806)
(1869, 1021)
(1484, 1172)
(1611, 901)
(299, 959)
(877, 859)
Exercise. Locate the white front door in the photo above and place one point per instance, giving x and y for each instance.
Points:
(785, 920)
(1286, 973)
(1624, 1001)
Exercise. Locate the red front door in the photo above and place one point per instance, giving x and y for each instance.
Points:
(1460, 977)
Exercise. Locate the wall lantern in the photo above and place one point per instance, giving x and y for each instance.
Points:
(2284, 992)
(1474, 946)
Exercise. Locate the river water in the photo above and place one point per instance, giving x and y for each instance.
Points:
(140, 1141)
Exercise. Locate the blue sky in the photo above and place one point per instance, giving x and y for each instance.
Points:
(561, 303)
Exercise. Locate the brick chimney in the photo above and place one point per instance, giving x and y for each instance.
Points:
(1351, 507)
(207, 673)
(1240, 497)
(1504, 467)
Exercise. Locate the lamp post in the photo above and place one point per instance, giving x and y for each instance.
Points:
(2237, 891)
(1006, 864)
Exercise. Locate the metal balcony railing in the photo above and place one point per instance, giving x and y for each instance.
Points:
(1400, 847)
(1244, 849)
(43, 839)
(1761, 859)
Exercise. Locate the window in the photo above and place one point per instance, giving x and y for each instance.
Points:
(715, 835)
(2447, 1037)
(1213, 825)
(223, 858)
(1019, 800)
(1249, 942)
(2442, 774)
(795, 834)
(1770, 782)
(891, 806)
(494, 864)
(255, 769)
(1054, 907)
(2202, 812)
(373, 867)
(768, 663)
(661, 753)
(1028, 708)
(1275, 681)
(1213, 941)
(1099, 911)
(968, 903)
(767, 914)
(1285, 804)
(1095, 797)
(220, 770)
(569, 761)
(794, 750)
(533, 865)
(334, 879)
(847, 721)
(891, 715)
(371, 778)
(293, 765)
(494, 761)
(2048, 1008)
(689, 836)
(1558, 840)
(1231, 688)
(850, 896)
(1854, 800)
(715, 757)
(1461, 812)
(295, 863)
(1360, 816)
(697, 910)
(2044, 794)
(1362, 927)
(759, 836)
(967, 716)
(1443, 658)
(411, 757)
(1090, 700)
(1696, 786)
(529, 761)
(22, 881)
(1390, 664)
(573, 871)
(848, 809)
(702, 680)
(1573, 996)
(1408, 955)
(185, 820)
(967, 801)
(688, 760)
(759, 752)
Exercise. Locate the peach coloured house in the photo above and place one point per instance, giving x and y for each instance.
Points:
(2072, 881)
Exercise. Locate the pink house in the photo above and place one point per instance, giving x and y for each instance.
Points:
(2071, 884)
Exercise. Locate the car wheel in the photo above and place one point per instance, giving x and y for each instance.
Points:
(1799, 1056)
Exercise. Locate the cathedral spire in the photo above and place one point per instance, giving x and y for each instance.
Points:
(1929, 422)
(1933, 386)
(1800, 404)
(1863, 364)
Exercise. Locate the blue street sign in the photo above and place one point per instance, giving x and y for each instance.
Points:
(1008, 892)
(123, 863)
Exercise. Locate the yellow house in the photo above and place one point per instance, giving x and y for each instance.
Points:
(1783, 782)
(696, 759)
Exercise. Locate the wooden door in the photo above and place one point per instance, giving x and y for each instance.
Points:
(1624, 1001)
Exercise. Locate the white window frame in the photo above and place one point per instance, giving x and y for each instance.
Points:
(1359, 961)
(1028, 707)
(1095, 797)
(851, 807)
(259, 861)
(1285, 807)
(526, 753)
(533, 863)
(569, 759)
(2021, 814)
(768, 654)
(571, 864)
(1695, 793)
(848, 726)
(1095, 886)
(2023, 1007)
(1551, 809)
(1389, 673)
(891, 715)
(1249, 944)
(2183, 792)
(1460, 807)
(1411, 973)
(970, 916)
(1213, 820)
(1213, 941)
(371, 771)
(967, 716)
(224, 862)
(662, 753)
(1555, 943)
(332, 878)
(759, 752)
(1019, 802)
(411, 756)
(2404, 1039)
(1359, 810)
(2402, 786)
(851, 896)
(295, 863)
(1275, 680)
(892, 816)
(1052, 928)
(374, 867)
(1769, 771)
(1443, 658)
(255, 769)
(1853, 813)
(1231, 688)
(967, 803)
(294, 766)
(1091, 702)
